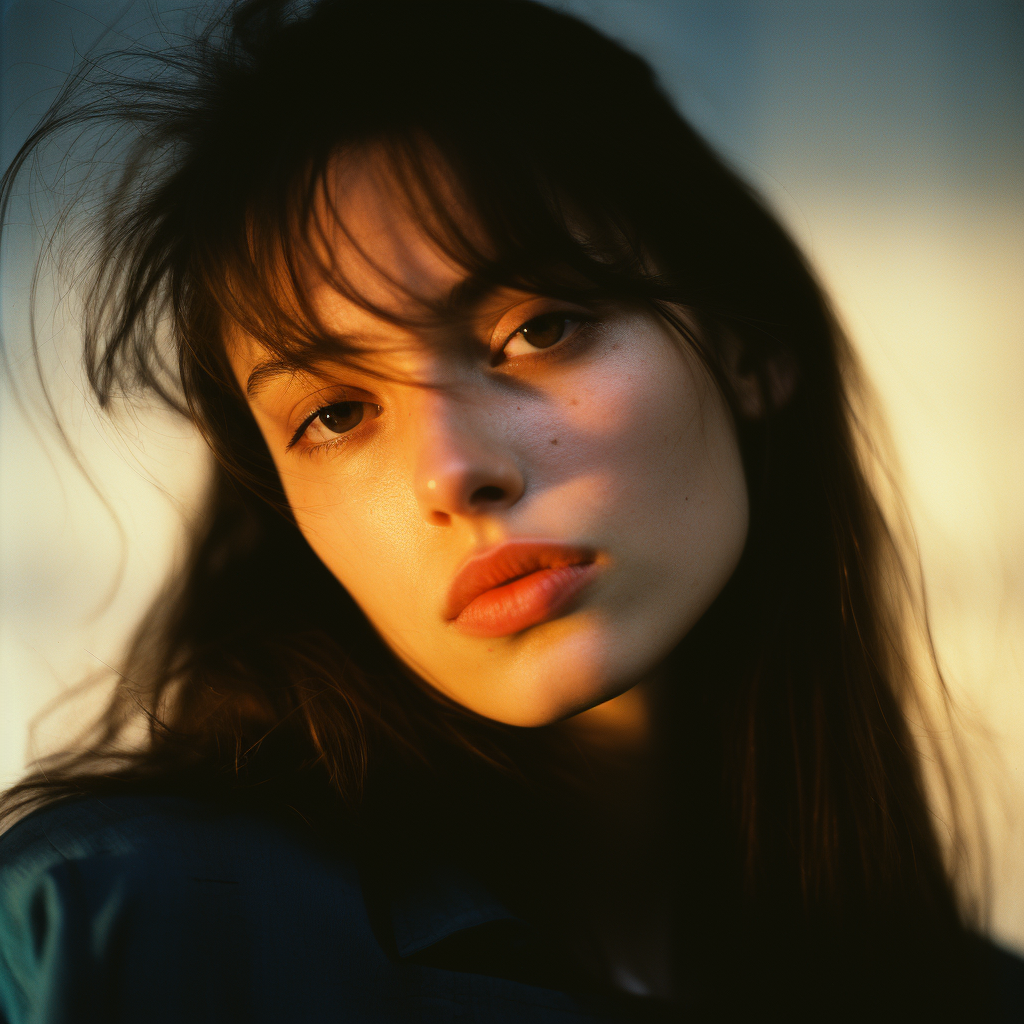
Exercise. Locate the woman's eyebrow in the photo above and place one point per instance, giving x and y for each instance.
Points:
(263, 373)
(467, 294)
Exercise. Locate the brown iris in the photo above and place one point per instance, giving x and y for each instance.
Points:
(544, 331)
(342, 416)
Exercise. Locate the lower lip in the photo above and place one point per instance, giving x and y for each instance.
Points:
(524, 602)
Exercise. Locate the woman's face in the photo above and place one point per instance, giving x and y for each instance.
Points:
(533, 502)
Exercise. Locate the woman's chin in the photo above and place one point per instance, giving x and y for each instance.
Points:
(547, 683)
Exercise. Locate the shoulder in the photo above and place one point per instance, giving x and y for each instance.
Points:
(103, 894)
(78, 829)
(83, 847)
(137, 829)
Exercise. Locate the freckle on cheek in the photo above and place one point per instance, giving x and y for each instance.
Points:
(554, 440)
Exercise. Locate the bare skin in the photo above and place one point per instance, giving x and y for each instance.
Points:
(614, 437)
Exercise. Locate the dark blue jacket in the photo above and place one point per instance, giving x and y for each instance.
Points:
(161, 909)
(164, 909)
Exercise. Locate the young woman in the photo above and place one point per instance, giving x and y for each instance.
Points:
(544, 653)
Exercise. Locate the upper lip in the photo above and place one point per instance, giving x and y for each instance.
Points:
(508, 561)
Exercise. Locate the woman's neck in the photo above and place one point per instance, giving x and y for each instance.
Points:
(624, 878)
(623, 725)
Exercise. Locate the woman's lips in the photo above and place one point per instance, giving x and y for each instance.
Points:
(516, 585)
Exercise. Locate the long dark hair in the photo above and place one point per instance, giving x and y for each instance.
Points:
(811, 863)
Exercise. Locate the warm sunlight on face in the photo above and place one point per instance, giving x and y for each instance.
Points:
(533, 505)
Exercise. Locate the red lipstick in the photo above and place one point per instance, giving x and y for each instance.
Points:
(517, 584)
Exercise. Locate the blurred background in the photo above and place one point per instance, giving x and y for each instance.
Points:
(889, 136)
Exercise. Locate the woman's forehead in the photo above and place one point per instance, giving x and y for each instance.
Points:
(379, 289)
(368, 270)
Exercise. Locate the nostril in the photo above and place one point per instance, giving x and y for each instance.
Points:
(487, 494)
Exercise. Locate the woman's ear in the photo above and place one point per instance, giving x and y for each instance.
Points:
(760, 387)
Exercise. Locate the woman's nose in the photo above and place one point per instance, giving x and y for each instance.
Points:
(463, 465)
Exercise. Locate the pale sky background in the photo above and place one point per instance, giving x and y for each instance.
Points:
(888, 136)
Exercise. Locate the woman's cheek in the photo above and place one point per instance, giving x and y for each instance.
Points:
(634, 418)
(362, 526)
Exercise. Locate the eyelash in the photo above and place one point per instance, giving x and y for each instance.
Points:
(584, 326)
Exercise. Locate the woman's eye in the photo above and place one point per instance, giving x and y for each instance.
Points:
(342, 417)
(332, 420)
(540, 333)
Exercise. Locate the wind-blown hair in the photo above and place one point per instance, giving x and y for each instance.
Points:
(808, 855)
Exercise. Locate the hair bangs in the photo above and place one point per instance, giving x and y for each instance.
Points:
(286, 244)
